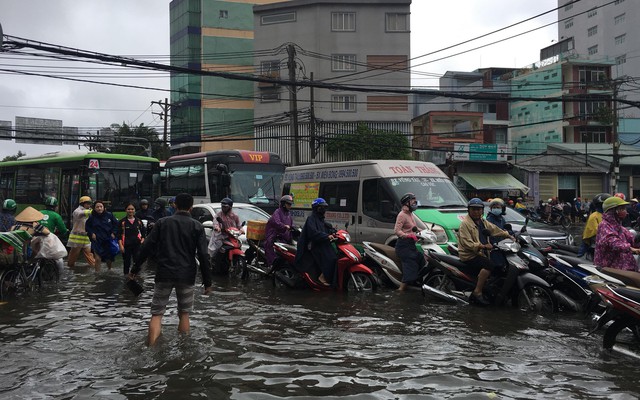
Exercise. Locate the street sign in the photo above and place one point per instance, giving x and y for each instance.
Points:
(480, 152)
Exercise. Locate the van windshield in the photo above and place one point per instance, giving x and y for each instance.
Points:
(430, 192)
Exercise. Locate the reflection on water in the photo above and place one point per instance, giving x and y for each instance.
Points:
(85, 338)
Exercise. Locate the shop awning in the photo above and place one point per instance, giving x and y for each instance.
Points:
(493, 182)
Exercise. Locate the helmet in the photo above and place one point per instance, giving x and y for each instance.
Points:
(319, 202)
(172, 200)
(496, 202)
(475, 203)
(549, 201)
(599, 199)
(620, 195)
(613, 202)
(160, 202)
(9, 204)
(407, 197)
(519, 199)
(510, 202)
(286, 199)
(226, 202)
(51, 201)
(85, 199)
(144, 201)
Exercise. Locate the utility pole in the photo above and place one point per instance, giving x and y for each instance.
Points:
(615, 162)
(312, 125)
(293, 105)
(164, 115)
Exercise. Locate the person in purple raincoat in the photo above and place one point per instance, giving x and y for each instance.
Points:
(278, 228)
(614, 243)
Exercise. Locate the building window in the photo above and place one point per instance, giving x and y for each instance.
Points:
(270, 69)
(569, 6)
(592, 31)
(397, 22)
(593, 50)
(343, 21)
(343, 103)
(224, 14)
(618, 2)
(619, 19)
(568, 23)
(621, 59)
(592, 13)
(620, 39)
(343, 62)
(270, 96)
(278, 18)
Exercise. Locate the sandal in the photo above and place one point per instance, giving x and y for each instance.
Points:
(323, 281)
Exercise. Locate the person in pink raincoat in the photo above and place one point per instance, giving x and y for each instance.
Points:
(614, 243)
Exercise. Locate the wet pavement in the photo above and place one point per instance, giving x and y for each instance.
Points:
(85, 338)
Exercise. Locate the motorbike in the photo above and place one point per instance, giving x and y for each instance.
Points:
(230, 258)
(557, 217)
(256, 259)
(352, 274)
(623, 308)
(451, 281)
(382, 259)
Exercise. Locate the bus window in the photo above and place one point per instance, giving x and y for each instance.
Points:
(255, 183)
(341, 196)
(377, 202)
(187, 179)
(6, 185)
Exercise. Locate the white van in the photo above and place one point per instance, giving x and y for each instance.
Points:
(367, 193)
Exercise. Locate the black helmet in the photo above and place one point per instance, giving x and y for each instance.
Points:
(226, 202)
(161, 202)
(286, 199)
(599, 199)
(406, 198)
(144, 201)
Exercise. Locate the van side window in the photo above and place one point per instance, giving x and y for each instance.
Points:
(341, 196)
(377, 203)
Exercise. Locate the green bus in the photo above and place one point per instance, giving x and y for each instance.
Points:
(116, 179)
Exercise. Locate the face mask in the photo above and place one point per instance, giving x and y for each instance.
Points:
(496, 211)
(320, 211)
(413, 207)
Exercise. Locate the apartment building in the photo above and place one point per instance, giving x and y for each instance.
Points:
(359, 43)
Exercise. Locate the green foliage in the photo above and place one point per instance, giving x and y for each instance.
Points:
(14, 157)
(366, 143)
(125, 139)
(604, 115)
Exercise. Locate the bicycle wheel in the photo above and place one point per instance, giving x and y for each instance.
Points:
(9, 283)
(49, 271)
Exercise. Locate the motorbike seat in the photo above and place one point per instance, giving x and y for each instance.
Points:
(630, 278)
(630, 293)
(387, 251)
(574, 261)
(451, 260)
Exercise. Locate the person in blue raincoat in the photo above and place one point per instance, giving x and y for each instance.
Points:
(101, 228)
(314, 246)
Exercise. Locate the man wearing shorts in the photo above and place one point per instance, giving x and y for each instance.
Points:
(174, 241)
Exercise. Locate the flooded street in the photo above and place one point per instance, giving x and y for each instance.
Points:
(85, 339)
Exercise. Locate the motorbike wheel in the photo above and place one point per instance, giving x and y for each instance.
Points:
(284, 277)
(238, 268)
(536, 298)
(612, 331)
(360, 282)
(565, 222)
(441, 282)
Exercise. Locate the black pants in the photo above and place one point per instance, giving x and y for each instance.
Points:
(128, 255)
(412, 259)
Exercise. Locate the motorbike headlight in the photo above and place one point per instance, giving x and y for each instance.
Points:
(427, 236)
(527, 239)
(440, 232)
(347, 237)
(534, 258)
(509, 245)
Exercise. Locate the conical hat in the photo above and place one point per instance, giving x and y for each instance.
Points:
(29, 214)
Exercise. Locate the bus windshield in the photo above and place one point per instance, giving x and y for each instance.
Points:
(256, 184)
(430, 192)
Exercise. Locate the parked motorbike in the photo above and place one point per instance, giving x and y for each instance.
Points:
(256, 259)
(451, 281)
(230, 257)
(351, 273)
(385, 263)
(623, 308)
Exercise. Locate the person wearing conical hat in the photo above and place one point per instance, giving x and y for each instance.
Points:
(29, 220)
(78, 238)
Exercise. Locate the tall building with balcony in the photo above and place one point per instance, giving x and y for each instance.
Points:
(208, 112)
(360, 43)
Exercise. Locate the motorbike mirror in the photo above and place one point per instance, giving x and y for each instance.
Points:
(415, 229)
(508, 227)
(243, 223)
(346, 225)
(208, 224)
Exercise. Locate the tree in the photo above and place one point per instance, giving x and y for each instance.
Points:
(366, 143)
(123, 139)
(14, 157)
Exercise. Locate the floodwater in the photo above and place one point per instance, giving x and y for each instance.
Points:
(85, 338)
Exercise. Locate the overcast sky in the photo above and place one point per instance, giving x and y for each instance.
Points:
(140, 28)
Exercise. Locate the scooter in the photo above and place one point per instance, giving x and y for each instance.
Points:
(385, 263)
(230, 258)
(451, 281)
(257, 263)
(623, 308)
(352, 274)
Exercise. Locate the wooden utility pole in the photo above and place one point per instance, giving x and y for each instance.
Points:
(293, 105)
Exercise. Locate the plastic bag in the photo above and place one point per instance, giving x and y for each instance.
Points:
(49, 247)
(114, 247)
